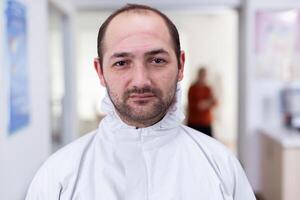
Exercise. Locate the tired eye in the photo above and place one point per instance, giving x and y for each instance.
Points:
(158, 61)
(120, 63)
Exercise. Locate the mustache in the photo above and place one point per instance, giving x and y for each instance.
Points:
(147, 89)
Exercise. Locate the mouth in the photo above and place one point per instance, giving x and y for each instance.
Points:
(145, 97)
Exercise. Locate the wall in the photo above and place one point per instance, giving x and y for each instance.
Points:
(259, 105)
(204, 45)
(23, 152)
(89, 89)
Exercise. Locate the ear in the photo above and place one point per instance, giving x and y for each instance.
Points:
(181, 65)
(99, 70)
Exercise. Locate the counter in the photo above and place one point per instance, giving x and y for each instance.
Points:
(280, 164)
(286, 137)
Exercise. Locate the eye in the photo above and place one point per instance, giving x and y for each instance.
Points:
(158, 61)
(120, 63)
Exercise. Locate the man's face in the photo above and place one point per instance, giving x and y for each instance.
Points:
(140, 69)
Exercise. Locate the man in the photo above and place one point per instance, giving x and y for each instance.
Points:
(201, 101)
(140, 150)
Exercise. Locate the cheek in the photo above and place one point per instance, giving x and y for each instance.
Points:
(116, 83)
(169, 76)
(167, 81)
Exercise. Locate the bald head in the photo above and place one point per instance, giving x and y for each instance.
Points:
(134, 9)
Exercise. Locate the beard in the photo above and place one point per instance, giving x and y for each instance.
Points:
(143, 112)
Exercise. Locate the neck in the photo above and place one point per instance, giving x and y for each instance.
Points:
(201, 82)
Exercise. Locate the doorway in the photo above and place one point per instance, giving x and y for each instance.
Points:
(62, 77)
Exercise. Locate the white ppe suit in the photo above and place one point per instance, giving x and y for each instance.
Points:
(166, 161)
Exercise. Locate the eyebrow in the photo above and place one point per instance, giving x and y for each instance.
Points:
(149, 53)
(121, 55)
(156, 51)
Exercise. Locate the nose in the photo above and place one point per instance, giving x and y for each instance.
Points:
(141, 76)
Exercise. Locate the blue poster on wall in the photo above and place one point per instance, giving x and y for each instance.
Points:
(16, 37)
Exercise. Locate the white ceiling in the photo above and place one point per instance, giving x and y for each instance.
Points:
(162, 4)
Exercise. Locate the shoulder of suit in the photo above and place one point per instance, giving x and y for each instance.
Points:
(69, 156)
(210, 145)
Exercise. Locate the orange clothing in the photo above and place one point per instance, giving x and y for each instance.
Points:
(196, 115)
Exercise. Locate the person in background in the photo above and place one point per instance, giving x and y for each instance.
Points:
(201, 101)
(141, 150)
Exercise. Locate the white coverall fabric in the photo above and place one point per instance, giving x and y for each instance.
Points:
(166, 161)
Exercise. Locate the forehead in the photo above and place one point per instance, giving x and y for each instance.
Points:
(136, 28)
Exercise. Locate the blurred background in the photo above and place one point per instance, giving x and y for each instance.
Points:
(51, 95)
